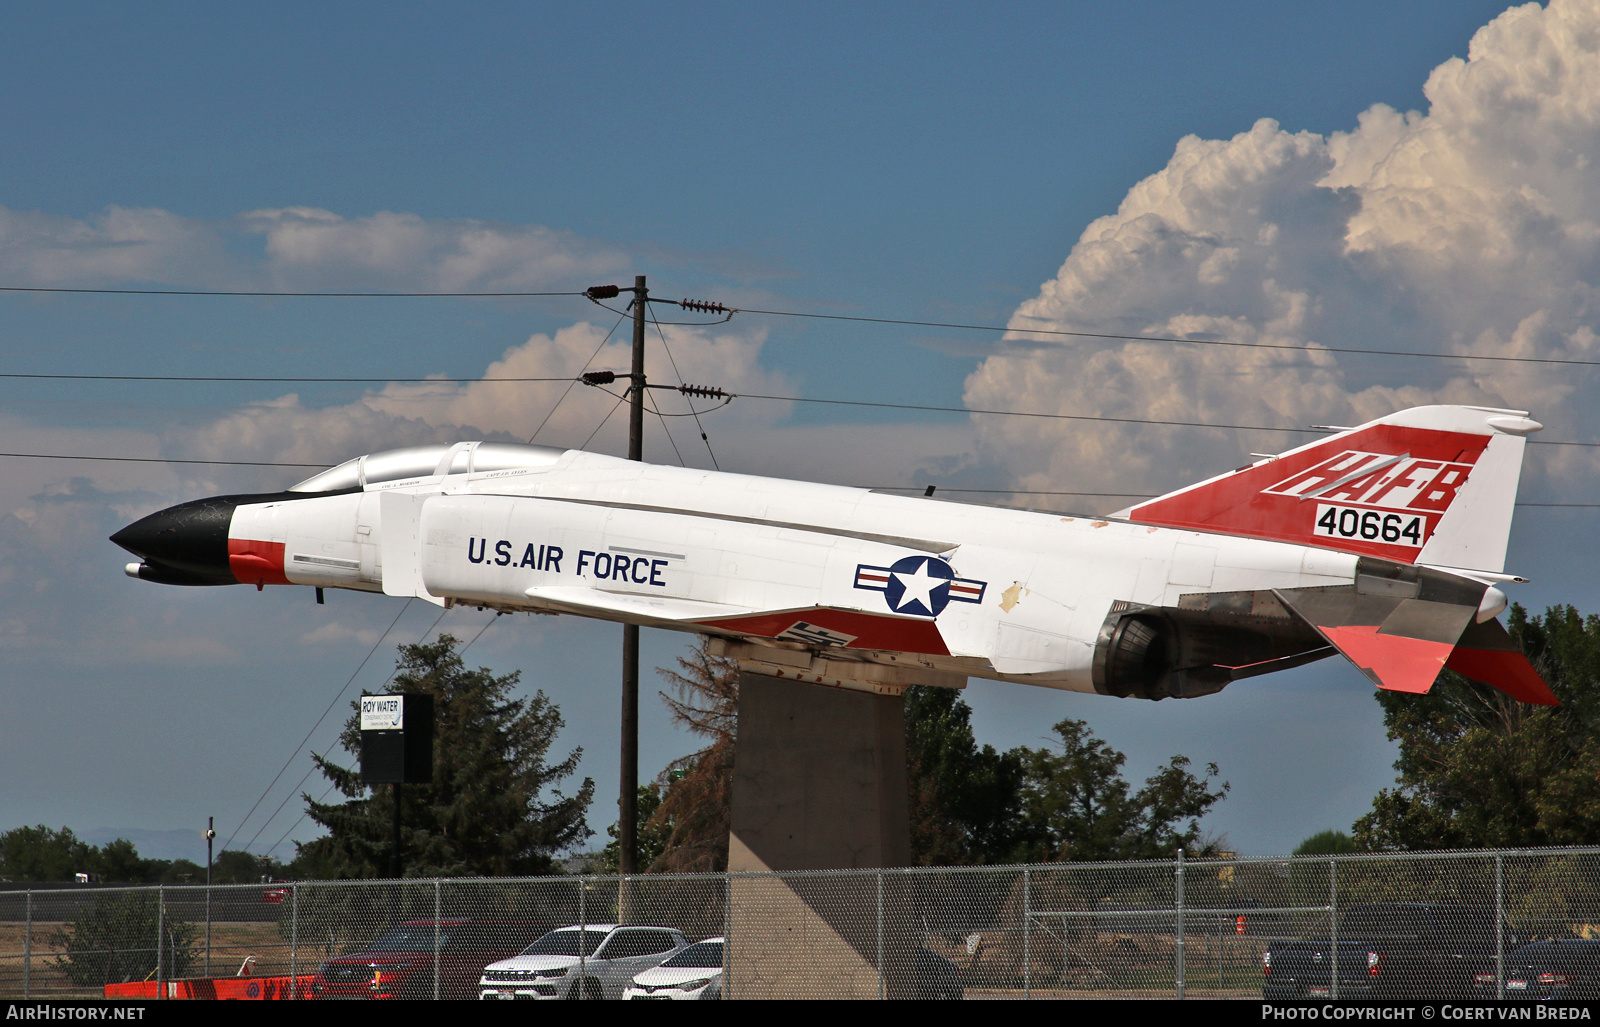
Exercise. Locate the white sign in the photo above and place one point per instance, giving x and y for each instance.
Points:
(383, 712)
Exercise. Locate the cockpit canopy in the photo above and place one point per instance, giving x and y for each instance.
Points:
(423, 461)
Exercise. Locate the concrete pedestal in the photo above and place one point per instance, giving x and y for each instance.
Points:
(819, 784)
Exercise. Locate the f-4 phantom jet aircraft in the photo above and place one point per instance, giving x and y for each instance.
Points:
(1384, 543)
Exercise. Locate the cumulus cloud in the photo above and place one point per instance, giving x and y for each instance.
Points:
(119, 244)
(338, 633)
(306, 244)
(1468, 228)
(300, 247)
(563, 414)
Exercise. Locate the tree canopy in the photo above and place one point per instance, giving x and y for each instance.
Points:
(969, 804)
(965, 800)
(686, 830)
(42, 853)
(494, 807)
(1327, 843)
(1078, 807)
(1478, 769)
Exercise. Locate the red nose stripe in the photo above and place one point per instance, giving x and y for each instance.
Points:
(256, 563)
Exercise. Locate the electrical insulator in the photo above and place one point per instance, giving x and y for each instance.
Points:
(602, 292)
(703, 391)
(599, 377)
(703, 306)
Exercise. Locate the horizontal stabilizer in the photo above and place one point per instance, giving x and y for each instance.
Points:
(1486, 653)
(1400, 643)
(1394, 662)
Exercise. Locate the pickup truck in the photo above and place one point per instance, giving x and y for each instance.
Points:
(1388, 950)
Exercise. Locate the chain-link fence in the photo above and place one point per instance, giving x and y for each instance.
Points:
(1436, 925)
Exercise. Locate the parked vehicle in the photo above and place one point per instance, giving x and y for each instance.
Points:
(691, 973)
(597, 961)
(1560, 970)
(400, 963)
(1387, 950)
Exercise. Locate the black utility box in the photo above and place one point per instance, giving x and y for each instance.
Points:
(397, 739)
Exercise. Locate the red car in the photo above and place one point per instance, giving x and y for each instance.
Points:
(400, 963)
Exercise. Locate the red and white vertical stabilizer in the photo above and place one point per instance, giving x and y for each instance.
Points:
(1431, 487)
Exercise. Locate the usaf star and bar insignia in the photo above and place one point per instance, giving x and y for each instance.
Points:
(921, 586)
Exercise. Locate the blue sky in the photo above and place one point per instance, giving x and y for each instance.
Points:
(925, 161)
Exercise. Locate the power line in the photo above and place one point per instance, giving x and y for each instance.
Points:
(274, 846)
(1173, 339)
(959, 326)
(786, 399)
(329, 748)
(159, 460)
(331, 703)
(281, 293)
(562, 398)
(263, 378)
(1026, 413)
(681, 388)
(1075, 417)
(729, 396)
(1114, 495)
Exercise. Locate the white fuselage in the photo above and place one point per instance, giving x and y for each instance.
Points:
(741, 556)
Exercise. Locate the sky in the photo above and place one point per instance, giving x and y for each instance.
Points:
(1406, 178)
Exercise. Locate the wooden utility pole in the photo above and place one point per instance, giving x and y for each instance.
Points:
(628, 801)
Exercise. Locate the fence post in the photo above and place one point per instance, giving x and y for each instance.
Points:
(27, 949)
(1222, 923)
(1333, 926)
(1499, 927)
(583, 937)
(161, 930)
(1177, 953)
(727, 931)
(1027, 933)
(436, 939)
(294, 940)
(880, 934)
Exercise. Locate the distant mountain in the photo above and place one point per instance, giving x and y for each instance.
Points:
(190, 845)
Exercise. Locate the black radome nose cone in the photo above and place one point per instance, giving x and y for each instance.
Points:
(185, 544)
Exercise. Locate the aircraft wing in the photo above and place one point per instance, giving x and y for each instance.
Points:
(628, 605)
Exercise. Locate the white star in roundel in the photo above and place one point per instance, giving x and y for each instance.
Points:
(918, 586)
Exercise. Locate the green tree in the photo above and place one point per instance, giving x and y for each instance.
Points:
(1480, 769)
(494, 807)
(41, 854)
(235, 866)
(1327, 843)
(120, 862)
(692, 817)
(115, 941)
(652, 834)
(965, 801)
(1078, 807)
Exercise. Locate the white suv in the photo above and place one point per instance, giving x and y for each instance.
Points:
(593, 962)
